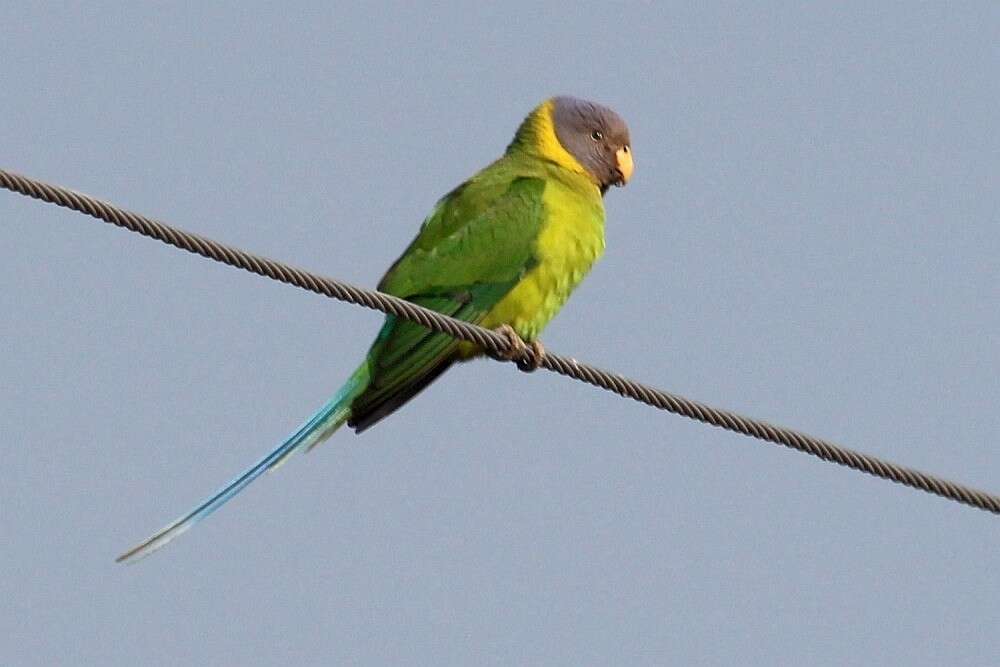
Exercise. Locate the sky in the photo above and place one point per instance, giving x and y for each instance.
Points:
(811, 237)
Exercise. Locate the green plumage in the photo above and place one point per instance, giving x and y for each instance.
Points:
(479, 243)
(475, 246)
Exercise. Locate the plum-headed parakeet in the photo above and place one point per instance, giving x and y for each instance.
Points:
(503, 249)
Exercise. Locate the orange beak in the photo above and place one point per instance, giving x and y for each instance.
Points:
(625, 164)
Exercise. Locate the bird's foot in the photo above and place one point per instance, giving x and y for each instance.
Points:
(527, 356)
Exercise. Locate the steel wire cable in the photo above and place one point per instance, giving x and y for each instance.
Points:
(497, 344)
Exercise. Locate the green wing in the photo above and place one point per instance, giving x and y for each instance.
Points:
(470, 252)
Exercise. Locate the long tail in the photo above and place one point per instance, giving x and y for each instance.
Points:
(316, 429)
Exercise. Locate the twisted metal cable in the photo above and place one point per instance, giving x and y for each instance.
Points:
(498, 345)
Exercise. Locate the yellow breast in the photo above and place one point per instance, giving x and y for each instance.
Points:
(568, 245)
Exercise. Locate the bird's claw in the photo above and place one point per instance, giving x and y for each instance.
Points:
(527, 356)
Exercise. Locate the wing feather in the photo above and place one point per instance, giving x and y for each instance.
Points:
(460, 267)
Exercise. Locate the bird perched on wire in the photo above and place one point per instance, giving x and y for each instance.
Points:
(503, 250)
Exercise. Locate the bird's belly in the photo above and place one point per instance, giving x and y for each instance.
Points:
(567, 247)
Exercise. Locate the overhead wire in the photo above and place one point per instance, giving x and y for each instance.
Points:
(498, 345)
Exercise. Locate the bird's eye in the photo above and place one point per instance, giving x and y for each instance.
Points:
(625, 148)
(596, 135)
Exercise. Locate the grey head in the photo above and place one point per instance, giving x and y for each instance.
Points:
(597, 137)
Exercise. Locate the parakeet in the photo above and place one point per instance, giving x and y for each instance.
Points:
(503, 249)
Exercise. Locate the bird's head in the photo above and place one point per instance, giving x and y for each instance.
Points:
(597, 137)
(580, 136)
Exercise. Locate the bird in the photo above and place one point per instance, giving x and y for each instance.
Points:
(503, 250)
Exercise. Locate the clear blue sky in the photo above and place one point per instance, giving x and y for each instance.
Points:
(811, 237)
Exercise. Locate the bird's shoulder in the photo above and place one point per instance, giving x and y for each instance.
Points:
(489, 220)
(504, 184)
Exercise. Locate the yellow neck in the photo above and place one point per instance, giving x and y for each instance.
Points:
(537, 135)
